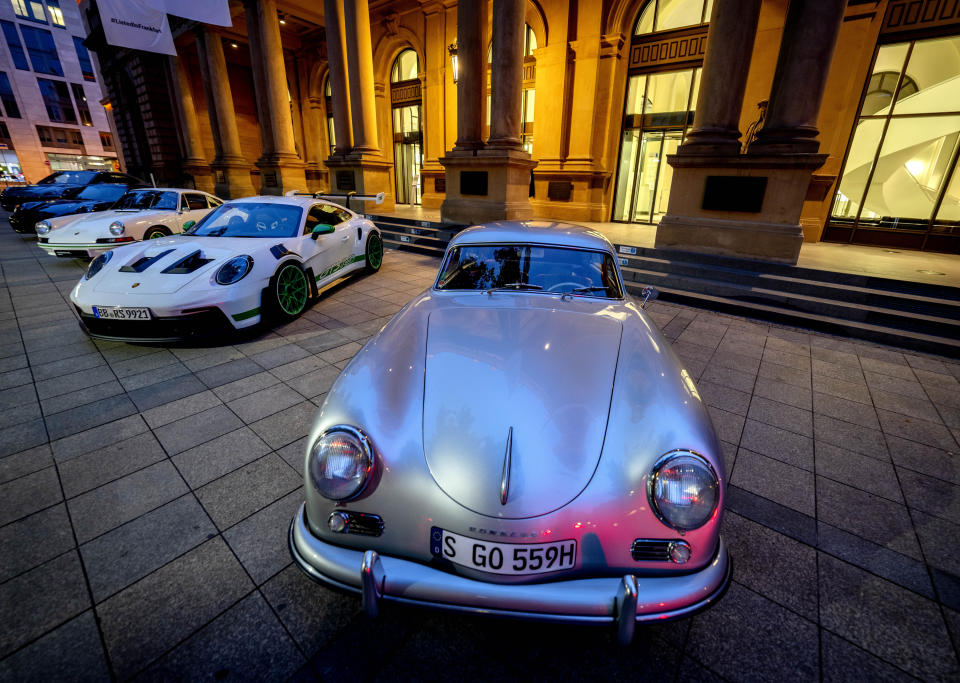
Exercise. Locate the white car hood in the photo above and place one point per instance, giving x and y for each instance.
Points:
(98, 222)
(152, 279)
(546, 373)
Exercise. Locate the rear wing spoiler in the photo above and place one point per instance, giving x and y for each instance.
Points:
(344, 197)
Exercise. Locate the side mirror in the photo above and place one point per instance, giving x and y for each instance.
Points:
(649, 294)
(322, 230)
(188, 225)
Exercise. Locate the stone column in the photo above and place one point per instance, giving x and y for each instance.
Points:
(336, 58)
(507, 74)
(195, 159)
(313, 141)
(259, 80)
(733, 27)
(471, 62)
(360, 70)
(231, 169)
(281, 168)
(806, 51)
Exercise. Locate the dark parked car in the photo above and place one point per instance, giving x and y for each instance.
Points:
(62, 185)
(91, 198)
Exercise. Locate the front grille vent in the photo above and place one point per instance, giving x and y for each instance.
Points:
(650, 550)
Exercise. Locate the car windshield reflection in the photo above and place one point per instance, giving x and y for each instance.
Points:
(250, 219)
(524, 267)
(140, 200)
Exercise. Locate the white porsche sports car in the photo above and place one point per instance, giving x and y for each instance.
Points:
(141, 214)
(248, 258)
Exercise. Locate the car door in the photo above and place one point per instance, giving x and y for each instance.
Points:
(326, 253)
(193, 207)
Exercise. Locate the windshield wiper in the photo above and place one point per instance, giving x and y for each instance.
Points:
(513, 286)
(583, 290)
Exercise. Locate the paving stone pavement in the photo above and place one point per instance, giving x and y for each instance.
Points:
(145, 494)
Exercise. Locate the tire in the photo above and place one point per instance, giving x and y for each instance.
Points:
(289, 291)
(155, 232)
(374, 252)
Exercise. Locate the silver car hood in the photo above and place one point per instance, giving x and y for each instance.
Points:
(539, 378)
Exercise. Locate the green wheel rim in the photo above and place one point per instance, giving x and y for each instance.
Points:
(375, 251)
(292, 290)
(155, 235)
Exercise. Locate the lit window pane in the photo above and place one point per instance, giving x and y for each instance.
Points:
(678, 13)
(405, 67)
(863, 149)
(635, 88)
(625, 174)
(528, 103)
(883, 80)
(667, 98)
(910, 170)
(935, 68)
(950, 209)
(645, 22)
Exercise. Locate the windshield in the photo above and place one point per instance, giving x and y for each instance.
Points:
(148, 199)
(68, 178)
(102, 193)
(250, 219)
(530, 267)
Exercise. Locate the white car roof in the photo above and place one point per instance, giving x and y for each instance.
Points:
(296, 200)
(534, 232)
(169, 189)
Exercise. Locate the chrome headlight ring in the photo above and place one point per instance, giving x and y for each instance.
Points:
(327, 463)
(43, 227)
(116, 228)
(696, 460)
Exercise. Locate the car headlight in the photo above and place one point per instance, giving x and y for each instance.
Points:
(340, 462)
(234, 270)
(43, 227)
(116, 228)
(683, 490)
(97, 264)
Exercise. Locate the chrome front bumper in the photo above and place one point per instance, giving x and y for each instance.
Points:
(603, 600)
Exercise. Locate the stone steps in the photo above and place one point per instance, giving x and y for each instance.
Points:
(914, 315)
(424, 237)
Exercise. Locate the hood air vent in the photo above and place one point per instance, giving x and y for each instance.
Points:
(143, 263)
(188, 264)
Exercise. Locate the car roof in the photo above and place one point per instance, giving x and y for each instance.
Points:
(296, 200)
(170, 189)
(534, 232)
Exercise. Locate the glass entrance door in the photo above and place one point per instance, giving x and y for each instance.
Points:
(407, 153)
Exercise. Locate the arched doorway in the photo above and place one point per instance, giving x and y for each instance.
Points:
(659, 105)
(407, 126)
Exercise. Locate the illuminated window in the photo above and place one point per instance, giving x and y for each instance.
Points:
(56, 14)
(20, 8)
(406, 67)
(106, 141)
(665, 15)
(899, 182)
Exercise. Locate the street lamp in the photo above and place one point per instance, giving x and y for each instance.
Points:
(454, 62)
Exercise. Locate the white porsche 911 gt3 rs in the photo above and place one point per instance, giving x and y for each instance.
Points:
(140, 214)
(246, 259)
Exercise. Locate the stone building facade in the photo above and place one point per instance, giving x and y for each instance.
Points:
(736, 126)
(50, 98)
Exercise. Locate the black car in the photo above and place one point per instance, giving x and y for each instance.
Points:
(90, 198)
(62, 185)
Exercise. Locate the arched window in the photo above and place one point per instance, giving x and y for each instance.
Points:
(880, 91)
(665, 15)
(406, 66)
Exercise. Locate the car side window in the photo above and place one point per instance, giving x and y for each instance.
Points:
(183, 203)
(321, 214)
(213, 203)
(195, 201)
(344, 215)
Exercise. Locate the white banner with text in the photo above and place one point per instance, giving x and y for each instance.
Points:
(136, 24)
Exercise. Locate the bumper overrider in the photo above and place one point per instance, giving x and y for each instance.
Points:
(621, 601)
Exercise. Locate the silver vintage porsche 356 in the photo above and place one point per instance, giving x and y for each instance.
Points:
(520, 440)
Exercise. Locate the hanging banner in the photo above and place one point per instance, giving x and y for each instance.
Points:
(208, 11)
(136, 24)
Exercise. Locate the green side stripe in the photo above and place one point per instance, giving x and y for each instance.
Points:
(339, 266)
(247, 314)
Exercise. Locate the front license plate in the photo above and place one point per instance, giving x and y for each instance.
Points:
(121, 313)
(515, 559)
(64, 253)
